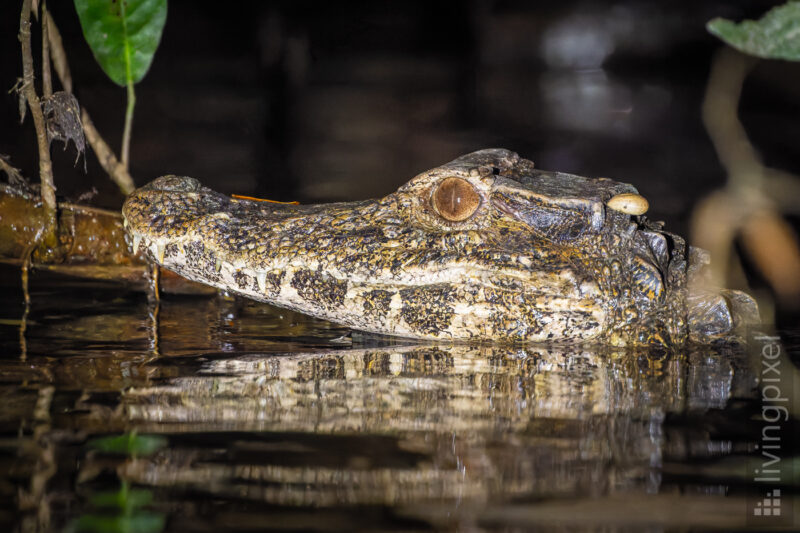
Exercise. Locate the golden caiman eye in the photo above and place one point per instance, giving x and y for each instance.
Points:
(456, 199)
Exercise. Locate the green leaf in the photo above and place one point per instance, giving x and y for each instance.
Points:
(776, 35)
(129, 444)
(123, 34)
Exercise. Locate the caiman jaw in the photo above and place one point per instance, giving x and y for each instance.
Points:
(364, 264)
(482, 248)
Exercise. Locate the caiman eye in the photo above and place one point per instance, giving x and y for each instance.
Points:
(456, 199)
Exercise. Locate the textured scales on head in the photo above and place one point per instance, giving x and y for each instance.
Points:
(485, 247)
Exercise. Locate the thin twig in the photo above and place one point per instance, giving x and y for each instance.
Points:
(721, 118)
(14, 175)
(115, 170)
(48, 191)
(47, 80)
(747, 208)
(126, 133)
(783, 188)
(57, 54)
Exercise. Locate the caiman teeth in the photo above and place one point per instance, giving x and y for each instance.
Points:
(261, 277)
(124, 222)
(137, 240)
(218, 265)
(158, 251)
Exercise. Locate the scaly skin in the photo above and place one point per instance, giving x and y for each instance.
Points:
(542, 258)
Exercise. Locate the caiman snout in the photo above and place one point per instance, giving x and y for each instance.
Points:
(715, 313)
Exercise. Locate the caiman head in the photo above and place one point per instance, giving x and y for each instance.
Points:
(485, 247)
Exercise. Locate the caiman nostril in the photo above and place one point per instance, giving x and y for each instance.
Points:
(629, 203)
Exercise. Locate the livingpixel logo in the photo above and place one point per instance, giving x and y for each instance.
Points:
(769, 506)
(773, 466)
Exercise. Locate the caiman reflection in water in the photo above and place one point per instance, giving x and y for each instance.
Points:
(384, 436)
(461, 422)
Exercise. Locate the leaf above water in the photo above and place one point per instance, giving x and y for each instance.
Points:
(123, 35)
(776, 35)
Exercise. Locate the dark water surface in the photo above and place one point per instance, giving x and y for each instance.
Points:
(273, 422)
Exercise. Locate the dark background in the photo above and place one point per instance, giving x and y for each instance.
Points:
(330, 101)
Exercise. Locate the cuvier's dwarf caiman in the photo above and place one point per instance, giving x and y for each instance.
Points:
(484, 247)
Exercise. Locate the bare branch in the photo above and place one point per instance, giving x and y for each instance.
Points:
(45, 165)
(47, 82)
(57, 53)
(126, 133)
(115, 170)
(14, 175)
(721, 118)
